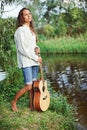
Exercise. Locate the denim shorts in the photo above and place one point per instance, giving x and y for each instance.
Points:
(30, 74)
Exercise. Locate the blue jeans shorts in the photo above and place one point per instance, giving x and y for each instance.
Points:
(30, 74)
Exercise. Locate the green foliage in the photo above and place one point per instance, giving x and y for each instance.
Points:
(49, 30)
(12, 83)
(61, 29)
(7, 28)
(78, 21)
(60, 105)
(42, 37)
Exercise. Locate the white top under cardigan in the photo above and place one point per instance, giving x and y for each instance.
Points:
(25, 44)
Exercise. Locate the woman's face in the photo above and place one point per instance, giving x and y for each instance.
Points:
(27, 16)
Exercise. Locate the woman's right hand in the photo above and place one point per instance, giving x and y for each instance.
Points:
(37, 50)
(40, 60)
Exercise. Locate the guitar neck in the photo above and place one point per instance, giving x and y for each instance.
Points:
(41, 71)
(42, 77)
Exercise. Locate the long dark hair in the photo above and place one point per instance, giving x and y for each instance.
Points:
(20, 20)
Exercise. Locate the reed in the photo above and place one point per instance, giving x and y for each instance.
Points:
(65, 45)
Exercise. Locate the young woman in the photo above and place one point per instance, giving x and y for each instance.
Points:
(28, 61)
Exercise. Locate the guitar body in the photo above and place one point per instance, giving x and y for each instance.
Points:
(41, 99)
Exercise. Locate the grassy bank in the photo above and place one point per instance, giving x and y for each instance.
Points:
(59, 116)
(64, 45)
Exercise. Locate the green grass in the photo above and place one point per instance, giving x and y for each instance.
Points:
(64, 45)
(59, 116)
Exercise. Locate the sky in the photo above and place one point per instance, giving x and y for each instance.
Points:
(11, 11)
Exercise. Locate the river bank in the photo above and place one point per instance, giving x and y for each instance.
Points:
(59, 116)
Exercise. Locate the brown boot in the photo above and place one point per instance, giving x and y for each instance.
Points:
(18, 95)
(31, 96)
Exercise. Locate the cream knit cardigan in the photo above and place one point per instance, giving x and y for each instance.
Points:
(25, 44)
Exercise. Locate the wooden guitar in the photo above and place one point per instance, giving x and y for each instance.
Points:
(41, 99)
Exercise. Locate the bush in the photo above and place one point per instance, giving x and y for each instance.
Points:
(49, 31)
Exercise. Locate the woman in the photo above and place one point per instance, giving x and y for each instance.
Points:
(28, 61)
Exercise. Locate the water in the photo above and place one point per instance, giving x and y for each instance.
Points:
(68, 74)
(2, 75)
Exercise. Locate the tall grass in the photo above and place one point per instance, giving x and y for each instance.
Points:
(64, 45)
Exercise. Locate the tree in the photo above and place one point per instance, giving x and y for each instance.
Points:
(51, 8)
(58, 14)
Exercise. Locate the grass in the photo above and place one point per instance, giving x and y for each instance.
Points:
(59, 116)
(27, 120)
(64, 45)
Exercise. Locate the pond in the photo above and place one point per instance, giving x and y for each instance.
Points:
(68, 74)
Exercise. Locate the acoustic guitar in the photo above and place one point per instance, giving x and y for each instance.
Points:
(41, 98)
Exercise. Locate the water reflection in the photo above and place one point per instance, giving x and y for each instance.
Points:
(68, 74)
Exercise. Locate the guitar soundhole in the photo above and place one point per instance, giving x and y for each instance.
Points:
(45, 98)
(43, 88)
